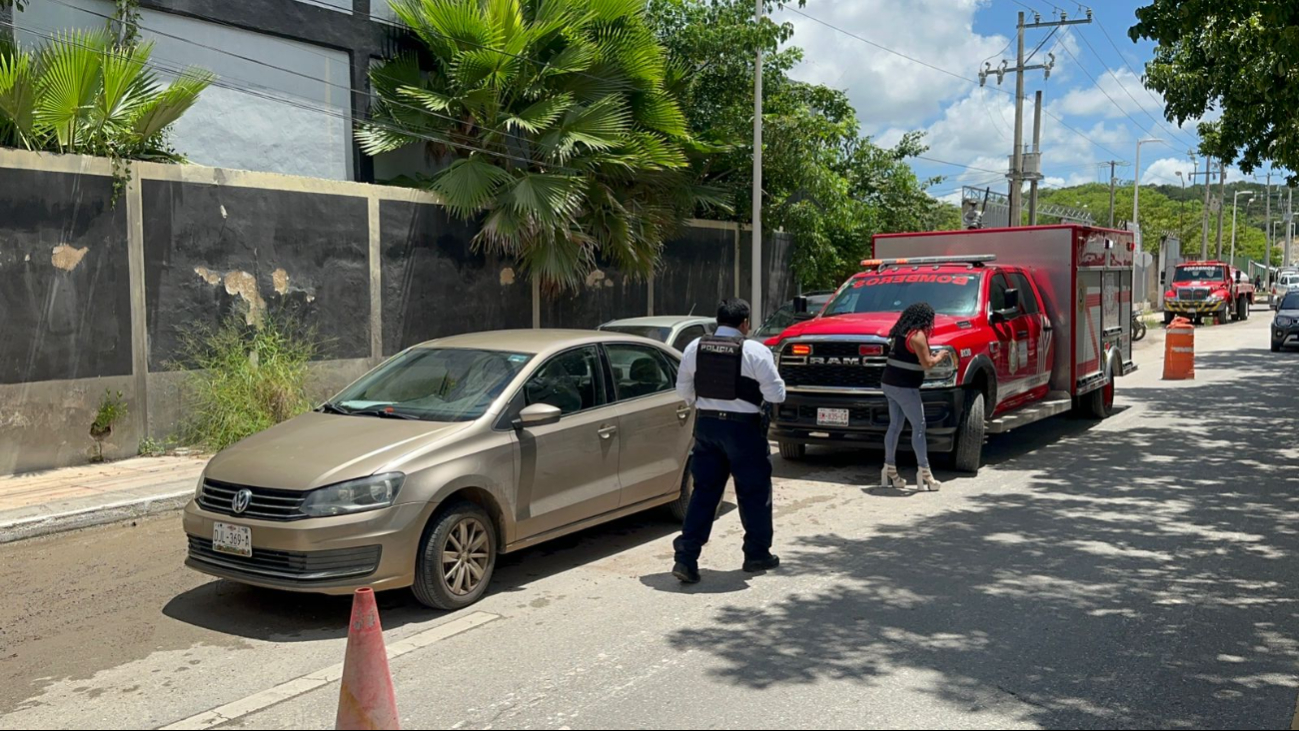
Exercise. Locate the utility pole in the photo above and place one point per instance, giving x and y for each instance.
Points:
(755, 296)
(1290, 226)
(1267, 217)
(1113, 182)
(1222, 201)
(1016, 175)
(1037, 153)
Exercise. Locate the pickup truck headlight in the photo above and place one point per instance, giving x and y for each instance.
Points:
(942, 375)
(1215, 297)
(1284, 322)
(354, 496)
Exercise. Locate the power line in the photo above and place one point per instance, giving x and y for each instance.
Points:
(1122, 58)
(1101, 89)
(958, 165)
(939, 69)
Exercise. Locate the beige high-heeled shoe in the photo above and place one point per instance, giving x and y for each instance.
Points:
(927, 480)
(889, 477)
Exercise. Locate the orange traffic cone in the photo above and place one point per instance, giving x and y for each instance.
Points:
(1179, 351)
(366, 700)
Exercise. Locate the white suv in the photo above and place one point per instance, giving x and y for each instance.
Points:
(1286, 282)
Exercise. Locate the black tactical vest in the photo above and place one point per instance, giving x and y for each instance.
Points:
(718, 371)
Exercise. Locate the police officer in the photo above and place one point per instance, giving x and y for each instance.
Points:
(727, 377)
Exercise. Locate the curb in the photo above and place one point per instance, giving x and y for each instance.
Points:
(44, 525)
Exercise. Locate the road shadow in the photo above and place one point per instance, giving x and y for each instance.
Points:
(1145, 578)
(279, 616)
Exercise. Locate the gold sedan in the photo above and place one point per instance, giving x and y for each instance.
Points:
(448, 454)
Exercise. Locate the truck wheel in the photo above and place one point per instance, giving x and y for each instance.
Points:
(1169, 317)
(1220, 317)
(792, 451)
(457, 558)
(1244, 307)
(1099, 404)
(968, 455)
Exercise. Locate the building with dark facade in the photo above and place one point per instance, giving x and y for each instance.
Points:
(291, 76)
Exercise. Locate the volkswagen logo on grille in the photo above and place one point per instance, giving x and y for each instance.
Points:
(241, 501)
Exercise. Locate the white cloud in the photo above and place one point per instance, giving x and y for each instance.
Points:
(888, 90)
(1126, 91)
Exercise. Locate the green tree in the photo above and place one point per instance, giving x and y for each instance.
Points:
(80, 93)
(823, 181)
(1241, 57)
(568, 140)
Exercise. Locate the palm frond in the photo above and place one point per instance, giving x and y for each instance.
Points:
(18, 97)
(69, 77)
(469, 184)
(540, 115)
(163, 109)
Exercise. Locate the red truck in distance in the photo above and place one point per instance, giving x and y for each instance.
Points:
(1037, 321)
(1208, 289)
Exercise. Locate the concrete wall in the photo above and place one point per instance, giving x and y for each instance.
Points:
(98, 295)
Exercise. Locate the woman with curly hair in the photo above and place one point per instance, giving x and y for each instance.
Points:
(909, 360)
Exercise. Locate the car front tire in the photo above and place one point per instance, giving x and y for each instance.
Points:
(968, 455)
(457, 558)
(792, 451)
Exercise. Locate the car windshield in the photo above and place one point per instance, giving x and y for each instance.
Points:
(948, 294)
(1197, 274)
(434, 384)
(645, 331)
(784, 317)
(1289, 280)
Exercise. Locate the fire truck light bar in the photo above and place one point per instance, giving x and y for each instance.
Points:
(925, 260)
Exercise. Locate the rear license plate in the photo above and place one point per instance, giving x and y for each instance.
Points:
(832, 417)
(232, 539)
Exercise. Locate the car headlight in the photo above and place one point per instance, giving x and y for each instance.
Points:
(1284, 322)
(1215, 298)
(354, 496)
(942, 375)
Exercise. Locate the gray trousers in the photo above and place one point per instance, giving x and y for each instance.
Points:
(905, 403)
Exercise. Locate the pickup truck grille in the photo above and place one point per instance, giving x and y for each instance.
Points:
(838, 365)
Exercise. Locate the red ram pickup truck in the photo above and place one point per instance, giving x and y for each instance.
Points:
(1037, 319)
(1212, 288)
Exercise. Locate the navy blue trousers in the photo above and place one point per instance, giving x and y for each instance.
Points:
(725, 449)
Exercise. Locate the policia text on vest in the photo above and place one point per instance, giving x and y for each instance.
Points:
(728, 378)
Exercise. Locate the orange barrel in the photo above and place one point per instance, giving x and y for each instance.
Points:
(1179, 351)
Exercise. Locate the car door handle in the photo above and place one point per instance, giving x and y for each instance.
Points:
(683, 413)
(607, 432)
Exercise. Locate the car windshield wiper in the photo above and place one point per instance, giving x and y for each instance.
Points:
(383, 412)
(330, 407)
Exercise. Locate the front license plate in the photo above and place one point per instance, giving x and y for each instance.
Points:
(832, 417)
(232, 539)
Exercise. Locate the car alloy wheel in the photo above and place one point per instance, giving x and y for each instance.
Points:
(465, 556)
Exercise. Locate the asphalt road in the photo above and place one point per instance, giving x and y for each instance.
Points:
(1137, 573)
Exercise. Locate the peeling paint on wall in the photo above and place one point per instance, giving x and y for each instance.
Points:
(507, 276)
(208, 275)
(224, 215)
(244, 285)
(281, 280)
(67, 257)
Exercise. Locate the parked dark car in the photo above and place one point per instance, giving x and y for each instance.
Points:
(784, 316)
(1285, 328)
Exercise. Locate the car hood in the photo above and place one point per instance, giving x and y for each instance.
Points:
(315, 449)
(870, 323)
(1288, 313)
(1210, 283)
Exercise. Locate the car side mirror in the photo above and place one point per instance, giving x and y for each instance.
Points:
(800, 305)
(1012, 300)
(997, 317)
(538, 415)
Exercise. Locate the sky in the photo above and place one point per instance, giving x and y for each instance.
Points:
(1093, 89)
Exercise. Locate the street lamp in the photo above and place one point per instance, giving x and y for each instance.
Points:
(1234, 200)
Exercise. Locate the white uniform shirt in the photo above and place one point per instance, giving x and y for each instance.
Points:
(758, 364)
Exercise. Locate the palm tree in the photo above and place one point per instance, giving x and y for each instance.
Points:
(567, 140)
(81, 93)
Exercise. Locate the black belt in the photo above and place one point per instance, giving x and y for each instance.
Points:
(731, 416)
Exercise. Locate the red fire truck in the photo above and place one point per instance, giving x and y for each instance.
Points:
(1038, 321)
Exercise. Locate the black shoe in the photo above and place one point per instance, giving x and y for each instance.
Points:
(686, 574)
(758, 565)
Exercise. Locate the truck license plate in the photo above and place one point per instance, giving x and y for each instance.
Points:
(233, 539)
(832, 417)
